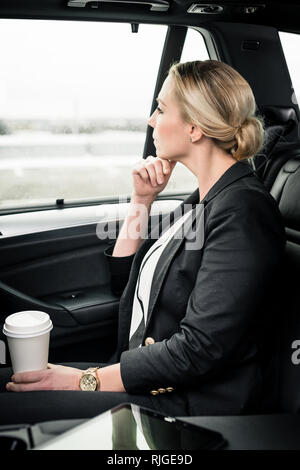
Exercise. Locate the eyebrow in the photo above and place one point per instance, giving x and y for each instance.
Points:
(157, 99)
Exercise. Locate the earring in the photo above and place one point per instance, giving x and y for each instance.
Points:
(191, 140)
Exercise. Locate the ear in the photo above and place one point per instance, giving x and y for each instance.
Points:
(196, 133)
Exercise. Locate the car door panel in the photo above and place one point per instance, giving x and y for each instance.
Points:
(72, 286)
(65, 273)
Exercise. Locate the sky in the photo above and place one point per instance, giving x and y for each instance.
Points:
(57, 69)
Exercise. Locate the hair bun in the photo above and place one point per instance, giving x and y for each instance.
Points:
(246, 123)
(249, 138)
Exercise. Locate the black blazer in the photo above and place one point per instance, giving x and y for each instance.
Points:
(208, 307)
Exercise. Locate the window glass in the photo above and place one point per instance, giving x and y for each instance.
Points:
(194, 47)
(75, 98)
(291, 44)
(182, 180)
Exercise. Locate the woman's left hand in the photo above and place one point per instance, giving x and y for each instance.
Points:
(55, 377)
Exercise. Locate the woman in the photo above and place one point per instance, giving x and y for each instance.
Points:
(190, 316)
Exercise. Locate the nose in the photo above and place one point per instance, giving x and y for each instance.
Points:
(151, 120)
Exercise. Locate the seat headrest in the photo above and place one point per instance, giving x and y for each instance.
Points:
(279, 121)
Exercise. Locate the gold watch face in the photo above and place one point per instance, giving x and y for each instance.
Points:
(88, 383)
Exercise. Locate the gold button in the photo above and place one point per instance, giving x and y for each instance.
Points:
(162, 390)
(154, 392)
(149, 340)
(169, 389)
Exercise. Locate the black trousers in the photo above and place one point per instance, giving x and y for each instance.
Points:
(39, 406)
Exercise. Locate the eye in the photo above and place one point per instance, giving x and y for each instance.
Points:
(159, 110)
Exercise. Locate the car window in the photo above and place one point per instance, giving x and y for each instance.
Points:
(290, 44)
(75, 98)
(194, 47)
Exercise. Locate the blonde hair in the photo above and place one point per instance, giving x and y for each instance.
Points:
(216, 98)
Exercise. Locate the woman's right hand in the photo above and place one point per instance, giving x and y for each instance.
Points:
(150, 176)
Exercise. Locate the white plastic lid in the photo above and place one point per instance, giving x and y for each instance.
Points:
(27, 323)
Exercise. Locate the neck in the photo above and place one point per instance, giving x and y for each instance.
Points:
(208, 163)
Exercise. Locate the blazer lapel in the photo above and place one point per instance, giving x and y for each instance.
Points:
(167, 257)
(235, 172)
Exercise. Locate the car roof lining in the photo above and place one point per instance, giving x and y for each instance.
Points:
(283, 16)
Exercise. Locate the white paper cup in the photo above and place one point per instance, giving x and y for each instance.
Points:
(28, 335)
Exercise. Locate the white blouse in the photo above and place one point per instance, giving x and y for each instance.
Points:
(145, 277)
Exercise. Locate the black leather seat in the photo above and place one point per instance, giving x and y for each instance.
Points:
(279, 122)
(282, 153)
(283, 391)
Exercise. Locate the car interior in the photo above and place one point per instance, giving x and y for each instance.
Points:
(51, 258)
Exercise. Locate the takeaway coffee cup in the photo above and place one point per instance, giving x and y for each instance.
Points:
(28, 335)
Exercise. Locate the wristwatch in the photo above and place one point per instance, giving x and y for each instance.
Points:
(89, 381)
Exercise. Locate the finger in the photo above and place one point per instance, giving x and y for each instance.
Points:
(168, 166)
(26, 387)
(152, 173)
(142, 173)
(27, 377)
(159, 172)
(154, 165)
(165, 165)
(171, 163)
(149, 163)
(140, 170)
